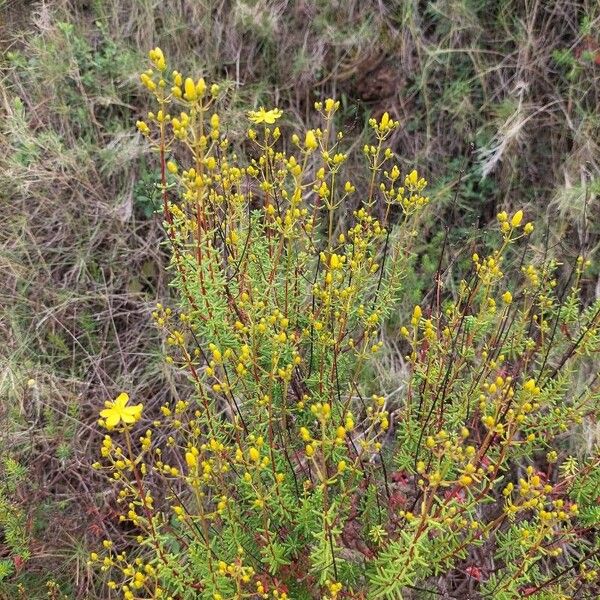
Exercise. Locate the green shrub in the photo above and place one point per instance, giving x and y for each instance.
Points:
(13, 527)
(290, 472)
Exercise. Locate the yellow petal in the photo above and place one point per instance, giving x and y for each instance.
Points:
(121, 400)
(112, 420)
(133, 412)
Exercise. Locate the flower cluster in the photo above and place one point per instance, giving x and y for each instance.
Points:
(289, 471)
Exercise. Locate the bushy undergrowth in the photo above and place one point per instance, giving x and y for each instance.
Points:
(290, 471)
(80, 245)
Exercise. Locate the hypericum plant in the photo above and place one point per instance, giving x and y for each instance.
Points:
(290, 473)
(14, 544)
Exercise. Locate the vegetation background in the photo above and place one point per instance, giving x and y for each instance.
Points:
(498, 101)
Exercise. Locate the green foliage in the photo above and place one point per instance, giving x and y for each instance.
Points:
(13, 527)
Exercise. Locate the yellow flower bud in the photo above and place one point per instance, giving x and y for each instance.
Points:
(335, 261)
(190, 90)
(142, 127)
(157, 57)
(331, 105)
(417, 314)
(310, 141)
(385, 121)
(201, 87)
(191, 460)
(517, 218)
(489, 421)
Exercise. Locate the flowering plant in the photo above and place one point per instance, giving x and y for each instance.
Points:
(291, 472)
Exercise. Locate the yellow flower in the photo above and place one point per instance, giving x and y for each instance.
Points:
(265, 116)
(412, 178)
(417, 314)
(191, 460)
(517, 218)
(310, 141)
(190, 90)
(118, 411)
(465, 480)
(201, 87)
(158, 58)
(142, 127)
(331, 105)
